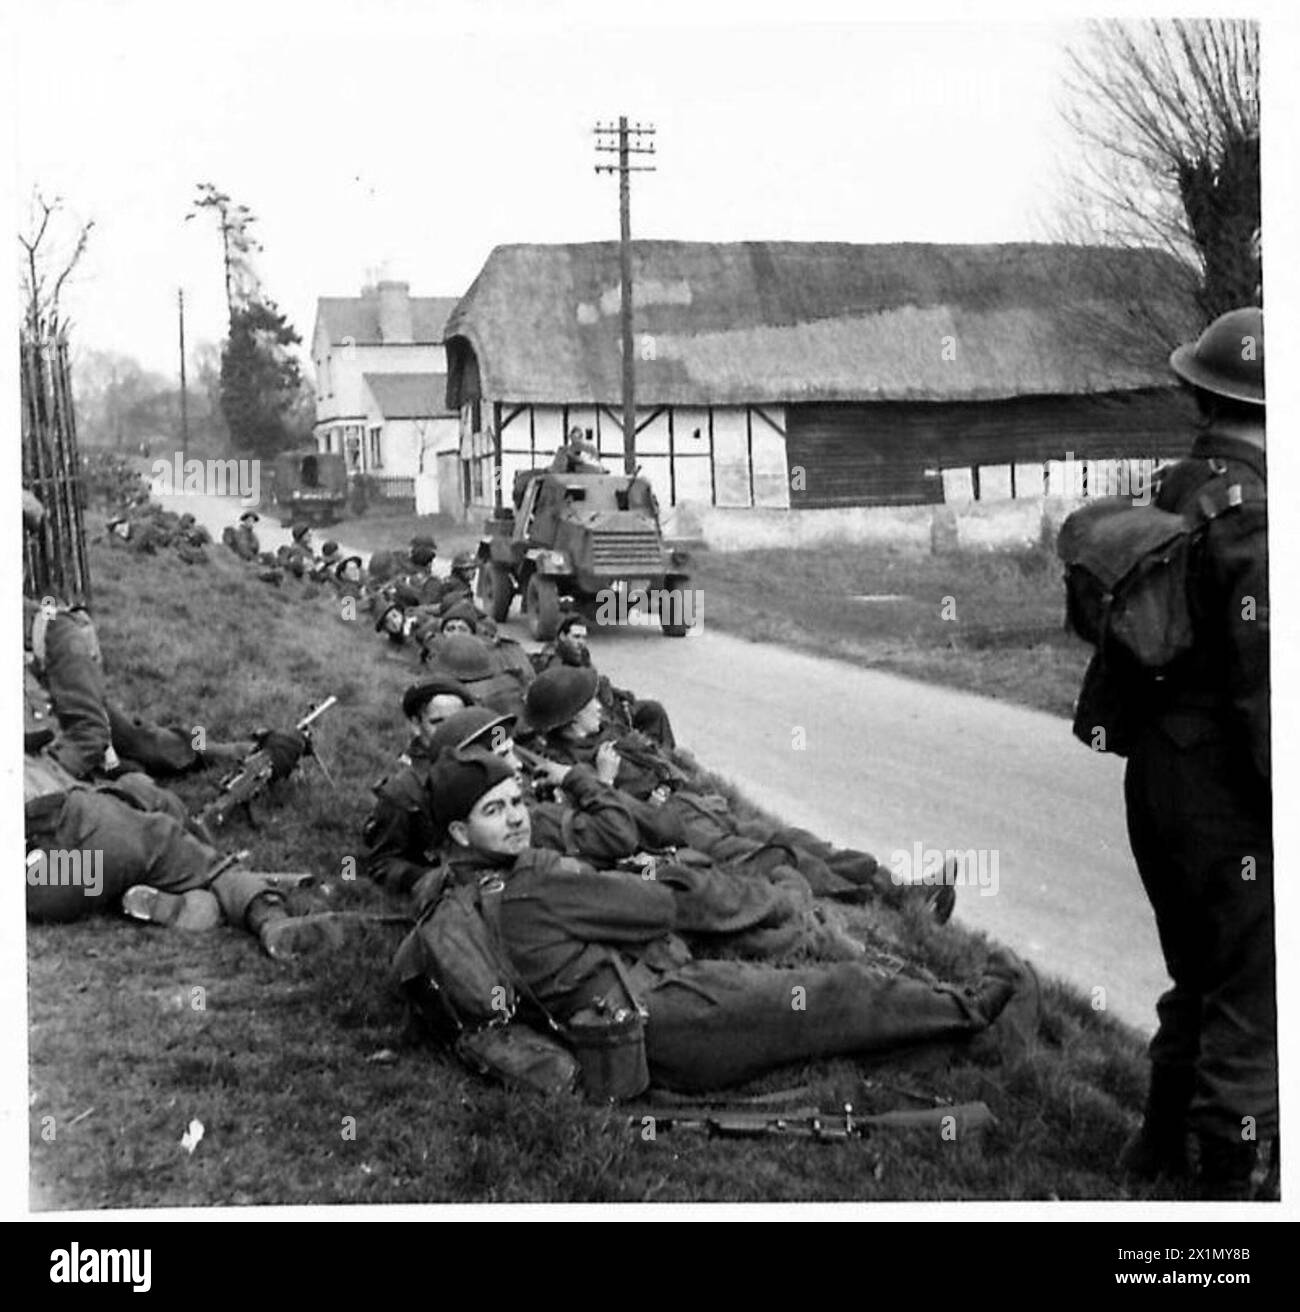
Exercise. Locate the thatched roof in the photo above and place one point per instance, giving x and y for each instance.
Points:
(409, 396)
(357, 317)
(757, 322)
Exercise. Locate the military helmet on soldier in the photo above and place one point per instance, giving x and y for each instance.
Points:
(418, 695)
(473, 726)
(1227, 359)
(557, 695)
(463, 657)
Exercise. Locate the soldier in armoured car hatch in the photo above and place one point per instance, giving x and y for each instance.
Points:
(578, 455)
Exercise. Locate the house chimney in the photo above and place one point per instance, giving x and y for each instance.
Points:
(394, 312)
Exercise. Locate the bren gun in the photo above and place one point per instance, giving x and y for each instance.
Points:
(255, 772)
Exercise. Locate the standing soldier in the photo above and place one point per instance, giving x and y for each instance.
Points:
(1198, 796)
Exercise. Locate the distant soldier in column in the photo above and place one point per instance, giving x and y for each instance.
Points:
(242, 539)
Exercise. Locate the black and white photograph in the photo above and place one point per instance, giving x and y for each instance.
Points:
(660, 610)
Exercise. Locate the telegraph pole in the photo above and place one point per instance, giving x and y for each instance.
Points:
(185, 419)
(615, 140)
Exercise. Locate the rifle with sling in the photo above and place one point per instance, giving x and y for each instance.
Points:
(807, 1122)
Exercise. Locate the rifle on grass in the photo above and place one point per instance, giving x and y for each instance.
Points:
(807, 1122)
(269, 761)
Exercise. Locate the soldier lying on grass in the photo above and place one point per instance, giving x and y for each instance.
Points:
(620, 707)
(129, 845)
(574, 810)
(676, 808)
(573, 933)
(401, 836)
(64, 684)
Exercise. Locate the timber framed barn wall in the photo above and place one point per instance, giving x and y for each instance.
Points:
(896, 454)
(801, 375)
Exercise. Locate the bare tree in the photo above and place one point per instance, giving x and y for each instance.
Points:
(1168, 117)
(237, 244)
(47, 264)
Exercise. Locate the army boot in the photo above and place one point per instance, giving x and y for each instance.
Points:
(1010, 994)
(195, 910)
(1159, 1147)
(1225, 1169)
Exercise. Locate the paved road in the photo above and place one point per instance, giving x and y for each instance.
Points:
(876, 761)
(879, 762)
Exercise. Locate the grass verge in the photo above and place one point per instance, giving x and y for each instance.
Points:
(311, 1087)
(985, 622)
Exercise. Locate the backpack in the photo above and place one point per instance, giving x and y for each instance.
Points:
(453, 971)
(1126, 572)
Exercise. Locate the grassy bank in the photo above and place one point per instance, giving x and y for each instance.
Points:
(309, 1083)
(986, 622)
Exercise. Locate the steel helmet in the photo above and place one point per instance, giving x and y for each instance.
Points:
(1227, 359)
(469, 728)
(557, 695)
(461, 656)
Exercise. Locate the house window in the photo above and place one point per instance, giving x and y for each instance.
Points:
(374, 452)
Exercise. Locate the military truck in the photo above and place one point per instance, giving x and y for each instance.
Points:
(581, 542)
(309, 487)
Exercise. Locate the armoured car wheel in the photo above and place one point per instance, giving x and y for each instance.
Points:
(667, 609)
(542, 602)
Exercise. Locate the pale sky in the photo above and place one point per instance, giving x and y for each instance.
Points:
(414, 138)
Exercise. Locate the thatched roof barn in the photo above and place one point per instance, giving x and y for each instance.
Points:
(875, 364)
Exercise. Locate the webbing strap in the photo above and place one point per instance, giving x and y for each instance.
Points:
(490, 890)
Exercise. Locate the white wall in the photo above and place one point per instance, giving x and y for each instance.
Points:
(731, 457)
(977, 526)
(348, 364)
(771, 477)
(402, 439)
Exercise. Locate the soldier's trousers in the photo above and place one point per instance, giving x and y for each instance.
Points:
(88, 720)
(715, 1023)
(123, 846)
(158, 750)
(75, 681)
(1202, 839)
